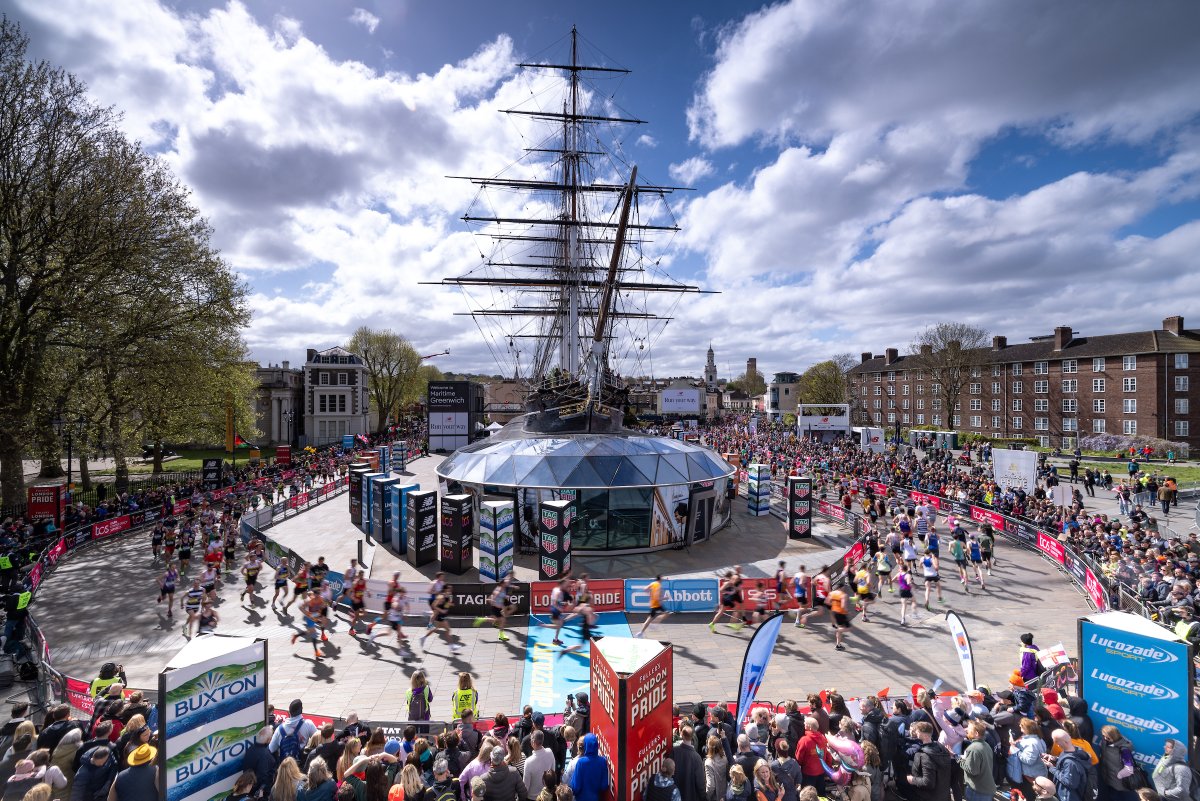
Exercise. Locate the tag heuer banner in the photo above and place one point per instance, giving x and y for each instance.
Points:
(555, 519)
(458, 526)
(799, 500)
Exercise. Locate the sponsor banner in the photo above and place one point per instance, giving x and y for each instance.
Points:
(754, 664)
(962, 647)
(421, 526)
(1138, 683)
(45, 501)
(799, 507)
(877, 488)
(678, 595)
(279, 716)
(752, 593)
(296, 501)
(927, 499)
(873, 440)
(831, 510)
(1026, 534)
(646, 699)
(472, 600)
(210, 473)
(1051, 548)
(605, 694)
(556, 520)
(283, 454)
(458, 525)
(1015, 469)
(106, 528)
(679, 401)
(608, 595)
(981, 515)
(78, 695)
(1095, 590)
(1074, 565)
(856, 552)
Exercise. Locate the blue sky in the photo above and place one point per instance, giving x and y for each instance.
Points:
(861, 169)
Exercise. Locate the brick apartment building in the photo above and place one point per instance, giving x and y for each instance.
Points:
(1054, 388)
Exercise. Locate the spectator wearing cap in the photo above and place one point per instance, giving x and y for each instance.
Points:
(502, 782)
(1022, 699)
(25, 778)
(95, 775)
(139, 781)
(689, 766)
(549, 739)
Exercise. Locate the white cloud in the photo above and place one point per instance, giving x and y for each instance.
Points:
(689, 171)
(365, 18)
(646, 140)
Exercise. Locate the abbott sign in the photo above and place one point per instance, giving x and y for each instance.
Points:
(679, 401)
(1136, 676)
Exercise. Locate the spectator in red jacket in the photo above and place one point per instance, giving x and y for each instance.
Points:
(810, 752)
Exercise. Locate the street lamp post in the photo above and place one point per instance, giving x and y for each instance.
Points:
(68, 429)
(288, 416)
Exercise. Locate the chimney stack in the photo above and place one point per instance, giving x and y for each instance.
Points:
(890, 355)
(999, 343)
(312, 354)
(1062, 336)
(1174, 325)
(927, 350)
(866, 356)
(286, 365)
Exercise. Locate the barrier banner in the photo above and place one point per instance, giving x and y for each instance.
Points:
(927, 499)
(1138, 677)
(555, 520)
(1074, 565)
(608, 595)
(752, 592)
(754, 664)
(1026, 533)
(1095, 590)
(1051, 548)
(962, 647)
(458, 525)
(799, 507)
(831, 510)
(106, 528)
(854, 554)
(678, 595)
(422, 520)
(212, 702)
(78, 695)
(981, 515)
(471, 600)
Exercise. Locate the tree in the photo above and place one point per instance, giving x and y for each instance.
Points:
(393, 370)
(824, 382)
(950, 353)
(753, 385)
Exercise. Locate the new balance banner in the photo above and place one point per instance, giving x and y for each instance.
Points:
(962, 647)
(799, 507)
(754, 663)
(458, 526)
(1138, 677)
(210, 473)
(422, 520)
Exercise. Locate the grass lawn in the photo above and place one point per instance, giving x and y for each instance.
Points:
(1184, 474)
(191, 459)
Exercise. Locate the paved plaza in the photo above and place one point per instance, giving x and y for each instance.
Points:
(100, 605)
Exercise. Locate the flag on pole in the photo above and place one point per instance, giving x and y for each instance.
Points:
(962, 646)
(754, 664)
(239, 442)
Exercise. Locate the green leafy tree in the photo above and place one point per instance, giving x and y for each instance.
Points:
(393, 370)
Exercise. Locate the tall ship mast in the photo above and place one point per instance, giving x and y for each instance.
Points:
(565, 290)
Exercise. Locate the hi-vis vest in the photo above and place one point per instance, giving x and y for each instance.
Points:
(464, 700)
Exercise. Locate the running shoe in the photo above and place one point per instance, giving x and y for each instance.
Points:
(478, 622)
(839, 647)
(503, 637)
(737, 626)
(712, 627)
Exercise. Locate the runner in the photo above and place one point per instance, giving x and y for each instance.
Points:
(301, 582)
(208, 619)
(884, 563)
(801, 586)
(282, 572)
(435, 589)
(156, 538)
(987, 546)
(862, 589)
(311, 607)
(821, 584)
(841, 620)
(230, 550)
(500, 608)
(975, 551)
(728, 595)
(655, 590)
(166, 588)
(440, 617)
(560, 608)
(588, 618)
(185, 550)
(908, 553)
(959, 554)
(904, 585)
(348, 579)
(762, 603)
(929, 569)
(781, 590)
(318, 572)
(358, 599)
(250, 571)
(208, 580)
(170, 539)
(397, 608)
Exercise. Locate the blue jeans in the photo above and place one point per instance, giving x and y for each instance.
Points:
(971, 795)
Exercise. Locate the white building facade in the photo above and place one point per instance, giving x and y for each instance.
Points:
(336, 401)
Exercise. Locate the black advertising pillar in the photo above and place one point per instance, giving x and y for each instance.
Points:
(210, 473)
(458, 526)
(554, 539)
(422, 526)
(357, 471)
(799, 506)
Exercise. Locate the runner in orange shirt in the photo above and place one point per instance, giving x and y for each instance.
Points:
(841, 620)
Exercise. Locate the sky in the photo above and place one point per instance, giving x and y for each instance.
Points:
(860, 169)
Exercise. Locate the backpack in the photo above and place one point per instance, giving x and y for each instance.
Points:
(448, 793)
(292, 744)
(418, 704)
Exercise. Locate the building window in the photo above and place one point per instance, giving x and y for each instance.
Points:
(341, 403)
(1041, 423)
(995, 422)
(891, 375)
(1043, 441)
(976, 405)
(1070, 385)
(891, 404)
(976, 421)
(1128, 363)
(1016, 423)
(936, 389)
(1098, 405)
(905, 389)
(1018, 387)
(1041, 387)
(904, 419)
(920, 389)
(1098, 426)
(920, 419)
(1181, 428)
(1070, 405)
(1129, 406)
(1181, 383)
(1041, 368)
(996, 404)
(1068, 442)
(866, 390)
(1097, 385)
(955, 421)
(1017, 404)
(323, 378)
(996, 388)
(1016, 368)
(343, 379)
(997, 370)
(878, 417)
(1181, 406)
(878, 404)
(904, 403)
(937, 405)
(1070, 366)
(1129, 426)
(976, 372)
(891, 418)
(878, 377)
(1129, 384)
(1041, 405)
(878, 391)
(1181, 361)
(1098, 365)
(323, 403)
(958, 406)
(920, 403)
(976, 389)
(1070, 424)
(891, 391)
(936, 420)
